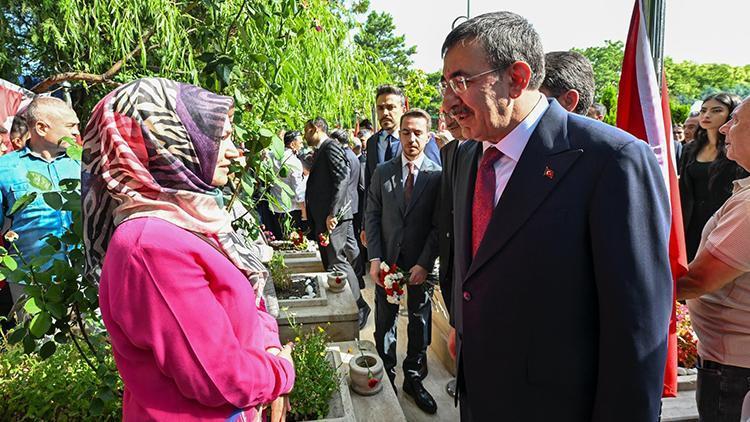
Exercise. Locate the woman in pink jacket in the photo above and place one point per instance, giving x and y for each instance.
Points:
(179, 292)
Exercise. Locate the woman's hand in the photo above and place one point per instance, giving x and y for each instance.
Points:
(281, 405)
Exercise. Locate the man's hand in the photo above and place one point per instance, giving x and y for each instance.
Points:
(375, 272)
(363, 238)
(418, 275)
(452, 343)
(331, 223)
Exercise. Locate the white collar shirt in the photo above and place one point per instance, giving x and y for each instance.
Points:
(512, 146)
(405, 168)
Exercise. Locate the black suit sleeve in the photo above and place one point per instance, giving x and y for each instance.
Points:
(629, 228)
(373, 218)
(338, 166)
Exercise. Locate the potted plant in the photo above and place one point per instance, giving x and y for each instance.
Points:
(317, 379)
(336, 281)
(366, 372)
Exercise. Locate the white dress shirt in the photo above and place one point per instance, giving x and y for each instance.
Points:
(512, 146)
(405, 168)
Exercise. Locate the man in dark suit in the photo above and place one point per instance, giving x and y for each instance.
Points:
(326, 197)
(399, 231)
(353, 186)
(562, 289)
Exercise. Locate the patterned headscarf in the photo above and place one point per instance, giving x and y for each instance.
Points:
(150, 149)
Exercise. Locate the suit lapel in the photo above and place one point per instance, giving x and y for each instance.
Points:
(465, 168)
(395, 179)
(543, 164)
(423, 178)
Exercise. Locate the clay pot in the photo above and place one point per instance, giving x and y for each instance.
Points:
(364, 382)
(336, 281)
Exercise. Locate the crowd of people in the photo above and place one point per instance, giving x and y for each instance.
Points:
(537, 212)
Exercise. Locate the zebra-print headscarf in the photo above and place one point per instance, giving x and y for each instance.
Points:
(150, 149)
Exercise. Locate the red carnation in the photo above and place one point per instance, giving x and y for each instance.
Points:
(372, 382)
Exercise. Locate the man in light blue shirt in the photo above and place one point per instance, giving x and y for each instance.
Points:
(49, 120)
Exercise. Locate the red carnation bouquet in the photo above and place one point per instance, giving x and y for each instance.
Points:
(687, 341)
(393, 279)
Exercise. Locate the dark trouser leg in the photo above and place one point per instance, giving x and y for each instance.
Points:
(464, 409)
(297, 219)
(720, 392)
(353, 254)
(341, 239)
(419, 304)
(361, 267)
(385, 331)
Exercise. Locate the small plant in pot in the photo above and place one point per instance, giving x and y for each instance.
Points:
(366, 372)
(336, 281)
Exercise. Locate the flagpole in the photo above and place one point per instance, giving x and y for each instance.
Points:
(654, 12)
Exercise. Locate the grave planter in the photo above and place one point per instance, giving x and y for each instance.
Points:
(366, 373)
(341, 408)
(320, 298)
(336, 281)
(338, 316)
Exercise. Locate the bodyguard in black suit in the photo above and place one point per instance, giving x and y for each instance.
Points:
(399, 231)
(384, 144)
(326, 196)
(562, 291)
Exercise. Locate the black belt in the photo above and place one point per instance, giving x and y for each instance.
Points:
(709, 364)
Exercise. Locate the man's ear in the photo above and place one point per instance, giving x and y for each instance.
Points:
(569, 100)
(520, 74)
(41, 128)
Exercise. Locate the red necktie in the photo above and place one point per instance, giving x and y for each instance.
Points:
(484, 197)
(409, 188)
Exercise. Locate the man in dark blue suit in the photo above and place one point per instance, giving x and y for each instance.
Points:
(562, 289)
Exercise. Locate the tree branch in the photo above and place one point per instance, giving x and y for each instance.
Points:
(105, 77)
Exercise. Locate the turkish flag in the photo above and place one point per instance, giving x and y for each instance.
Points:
(645, 114)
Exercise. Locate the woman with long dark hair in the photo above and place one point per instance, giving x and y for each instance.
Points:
(706, 174)
(180, 293)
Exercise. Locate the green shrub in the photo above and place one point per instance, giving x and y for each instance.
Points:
(317, 379)
(280, 274)
(60, 388)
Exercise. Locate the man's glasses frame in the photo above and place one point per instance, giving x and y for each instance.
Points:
(459, 84)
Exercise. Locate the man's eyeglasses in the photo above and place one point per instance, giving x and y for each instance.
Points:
(459, 84)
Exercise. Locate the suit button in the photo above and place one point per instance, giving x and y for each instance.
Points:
(467, 296)
(448, 235)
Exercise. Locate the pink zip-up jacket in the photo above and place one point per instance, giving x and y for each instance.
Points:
(188, 341)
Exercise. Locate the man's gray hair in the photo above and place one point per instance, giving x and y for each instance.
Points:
(506, 38)
(39, 108)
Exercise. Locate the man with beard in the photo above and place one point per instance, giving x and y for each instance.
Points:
(558, 219)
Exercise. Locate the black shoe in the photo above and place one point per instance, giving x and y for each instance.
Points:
(421, 396)
(423, 370)
(364, 313)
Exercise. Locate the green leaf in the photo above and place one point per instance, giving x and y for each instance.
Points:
(10, 263)
(56, 309)
(54, 293)
(97, 407)
(40, 324)
(47, 349)
(39, 181)
(265, 133)
(16, 276)
(53, 199)
(75, 152)
(29, 345)
(61, 338)
(277, 146)
(91, 293)
(22, 203)
(69, 185)
(31, 307)
(17, 335)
